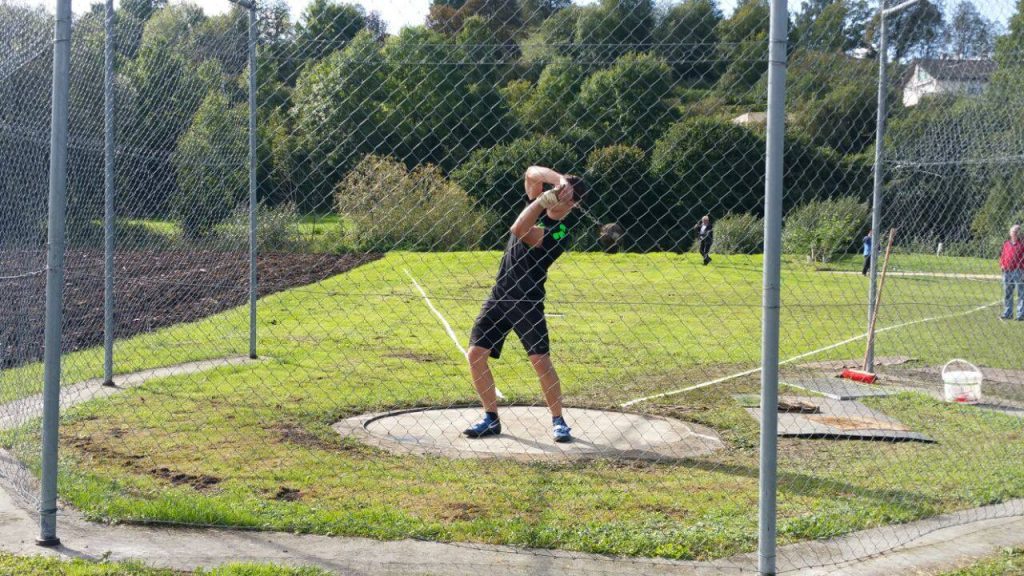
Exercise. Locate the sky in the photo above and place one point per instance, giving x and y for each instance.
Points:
(400, 13)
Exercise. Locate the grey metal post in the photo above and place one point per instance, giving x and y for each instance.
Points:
(108, 198)
(768, 481)
(55, 274)
(876, 195)
(252, 181)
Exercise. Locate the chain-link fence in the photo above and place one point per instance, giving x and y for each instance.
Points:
(403, 230)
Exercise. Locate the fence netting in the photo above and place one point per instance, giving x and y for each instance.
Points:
(26, 60)
(403, 231)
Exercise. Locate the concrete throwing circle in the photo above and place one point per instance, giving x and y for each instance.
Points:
(526, 434)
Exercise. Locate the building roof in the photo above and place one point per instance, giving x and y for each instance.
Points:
(957, 70)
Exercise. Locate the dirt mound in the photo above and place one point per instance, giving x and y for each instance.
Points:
(152, 290)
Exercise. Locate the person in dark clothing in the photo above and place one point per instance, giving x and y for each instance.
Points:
(538, 237)
(867, 254)
(706, 235)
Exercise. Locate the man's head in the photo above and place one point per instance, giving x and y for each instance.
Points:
(1014, 232)
(705, 220)
(570, 197)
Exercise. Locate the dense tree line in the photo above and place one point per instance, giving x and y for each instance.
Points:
(638, 97)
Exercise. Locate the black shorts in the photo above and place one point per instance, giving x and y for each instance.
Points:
(497, 319)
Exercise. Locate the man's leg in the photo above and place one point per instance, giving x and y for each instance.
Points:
(549, 382)
(483, 380)
(1020, 294)
(1008, 284)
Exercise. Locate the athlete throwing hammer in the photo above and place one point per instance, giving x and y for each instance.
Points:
(539, 236)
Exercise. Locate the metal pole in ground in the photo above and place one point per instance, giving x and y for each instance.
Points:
(108, 198)
(55, 275)
(879, 171)
(776, 125)
(876, 195)
(252, 181)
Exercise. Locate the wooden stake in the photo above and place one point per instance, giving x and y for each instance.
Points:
(878, 299)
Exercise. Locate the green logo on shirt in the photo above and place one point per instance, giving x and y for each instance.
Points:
(561, 233)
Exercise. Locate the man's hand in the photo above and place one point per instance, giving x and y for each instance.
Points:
(550, 198)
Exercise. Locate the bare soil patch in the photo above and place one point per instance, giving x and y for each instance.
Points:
(152, 290)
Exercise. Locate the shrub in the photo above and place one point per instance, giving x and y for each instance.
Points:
(621, 192)
(823, 229)
(388, 208)
(1002, 208)
(739, 234)
(707, 166)
(277, 228)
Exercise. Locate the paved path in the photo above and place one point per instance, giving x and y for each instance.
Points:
(18, 412)
(926, 546)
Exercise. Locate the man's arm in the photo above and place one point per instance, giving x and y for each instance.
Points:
(525, 227)
(537, 177)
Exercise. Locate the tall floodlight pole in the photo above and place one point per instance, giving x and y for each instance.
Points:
(108, 197)
(251, 8)
(55, 274)
(771, 301)
(878, 170)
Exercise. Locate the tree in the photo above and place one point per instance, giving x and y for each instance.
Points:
(503, 17)
(141, 10)
(163, 88)
(842, 119)
(627, 103)
(534, 12)
(25, 35)
(743, 46)
(914, 31)
(969, 34)
(338, 113)
(211, 166)
(326, 26)
(826, 32)
(832, 24)
(552, 103)
(686, 38)
(613, 28)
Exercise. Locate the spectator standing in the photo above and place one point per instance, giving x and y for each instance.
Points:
(1012, 263)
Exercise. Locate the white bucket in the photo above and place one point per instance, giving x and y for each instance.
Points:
(962, 386)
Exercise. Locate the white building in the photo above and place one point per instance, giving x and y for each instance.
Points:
(933, 76)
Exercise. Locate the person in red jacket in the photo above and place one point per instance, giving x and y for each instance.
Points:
(1012, 263)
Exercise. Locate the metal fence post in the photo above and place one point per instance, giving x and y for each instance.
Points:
(108, 197)
(776, 126)
(252, 181)
(55, 274)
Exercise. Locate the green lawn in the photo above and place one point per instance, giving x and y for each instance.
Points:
(922, 263)
(252, 445)
(1008, 563)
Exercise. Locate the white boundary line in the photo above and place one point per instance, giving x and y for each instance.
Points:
(804, 355)
(447, 326)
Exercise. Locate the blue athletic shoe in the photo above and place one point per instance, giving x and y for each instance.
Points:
(484, 428)
(561, 431)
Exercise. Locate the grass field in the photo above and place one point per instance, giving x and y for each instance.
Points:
(252, 446)
(45, 566)
(1008, 563)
